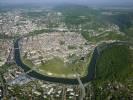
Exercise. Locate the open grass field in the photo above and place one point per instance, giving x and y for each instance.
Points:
(57, 68)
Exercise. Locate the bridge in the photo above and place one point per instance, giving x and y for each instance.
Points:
(81, 87)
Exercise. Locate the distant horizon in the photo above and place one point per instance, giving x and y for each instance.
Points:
(80, 2)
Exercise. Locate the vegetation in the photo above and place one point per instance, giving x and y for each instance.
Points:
(114, 67)
(36, 32)
(36, 14)
(75, 15)
(27, 62)
(86, 19)
(106, 36)
(4, 68)
(2, 36)
(114, 72)
(25, 92)
(71, 47)
(58, 68)
(124, 20)
(115, 63)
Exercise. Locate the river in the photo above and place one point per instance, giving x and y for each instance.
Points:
(90, 75)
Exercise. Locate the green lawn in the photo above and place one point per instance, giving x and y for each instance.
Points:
(58, 68)
(27, 62)
(106, 36)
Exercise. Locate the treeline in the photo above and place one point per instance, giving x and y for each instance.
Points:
(115, 63)
(124, 21)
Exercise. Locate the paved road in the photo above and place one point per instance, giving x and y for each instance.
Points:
(91, 68)
(87, 78)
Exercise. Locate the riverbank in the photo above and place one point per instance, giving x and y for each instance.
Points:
(91, 68)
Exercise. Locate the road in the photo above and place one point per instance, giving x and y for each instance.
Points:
(82, 87)
(85, 79)
(90, 75)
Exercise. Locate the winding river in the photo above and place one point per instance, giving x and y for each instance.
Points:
(90, 75)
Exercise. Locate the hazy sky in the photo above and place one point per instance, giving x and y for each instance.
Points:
(72, 1)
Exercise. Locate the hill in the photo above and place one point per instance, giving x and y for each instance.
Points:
(114, 73)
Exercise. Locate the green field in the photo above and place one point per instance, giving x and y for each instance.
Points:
(58, 68)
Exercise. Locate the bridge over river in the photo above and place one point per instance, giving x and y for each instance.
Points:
(90, 75)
